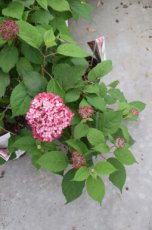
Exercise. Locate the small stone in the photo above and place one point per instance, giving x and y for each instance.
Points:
(117, 21)
(125, 6)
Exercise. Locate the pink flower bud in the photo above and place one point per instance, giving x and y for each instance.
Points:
(86, 112)
(78, 160)
(119, 142)
(134, 112)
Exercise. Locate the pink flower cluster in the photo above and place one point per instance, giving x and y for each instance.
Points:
(134, 112)
(119, 142)
(48, 116)
(85, 112)
(9, 29)
(78, 160)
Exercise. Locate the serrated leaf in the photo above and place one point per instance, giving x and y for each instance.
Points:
(34, 82)
(117, 95)
(125, 156)
(102, 148)
(8, 58)
(14, 10)
(95, 136)
(95, 188)
(71, 189)
(49, 38)
(54, 87)
(97, 102)
(26, 143)
(32, 54)
(81, 9)
(81, 174)
(114, 84)
(20, 100)
(80, 130)
(41, 17)
(59, 5)
(54, 161)
(118, 178)
(77, 145)
(43, 3)
(29, 34)
(104, 168)
(71, 50)
(100, 70)
(23, 65)
(4, 82)
(71, 80)
(110, 121)
(72, 95)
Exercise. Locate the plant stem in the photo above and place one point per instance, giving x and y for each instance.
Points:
(6, 130)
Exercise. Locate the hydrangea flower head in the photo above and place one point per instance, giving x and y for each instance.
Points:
(119, 142)
(48, 116)
(9, 29)
(85, 112)
(78, 160)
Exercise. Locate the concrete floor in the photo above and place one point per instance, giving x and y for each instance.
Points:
(33, 200)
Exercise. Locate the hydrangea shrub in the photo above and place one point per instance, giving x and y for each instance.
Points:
(53, 100)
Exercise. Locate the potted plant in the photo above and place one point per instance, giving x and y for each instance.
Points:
(54, 103)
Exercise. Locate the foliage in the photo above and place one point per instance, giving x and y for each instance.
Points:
(43, 57)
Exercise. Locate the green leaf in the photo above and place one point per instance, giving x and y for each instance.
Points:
(110, 121)
(125, 133)
(80, 130)
(26, 143)
(59, 5)
(72, 95)
(4, 82)
(100, 70)
(49, 38)
(8, 58)
(77, 145)
(104, 168)
(43, 3)
(125, 156)
(34, 82)
(14, 10)
(71, 189)
(41, 17)
(71, 80)
(117, 94)
(29, 34)
(118, 178)
(114, 84)
(95, 188)
(32, 54)
(95, 136)
(81, 9)
(71, 50)
(102, 148)
(20, 100)
(23, 65)
(92, 89)
(97, 102)
(138, 105)
(54, 87)
(81, 174)
(54, 161)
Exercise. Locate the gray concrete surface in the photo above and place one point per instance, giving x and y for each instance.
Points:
(31, 200)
